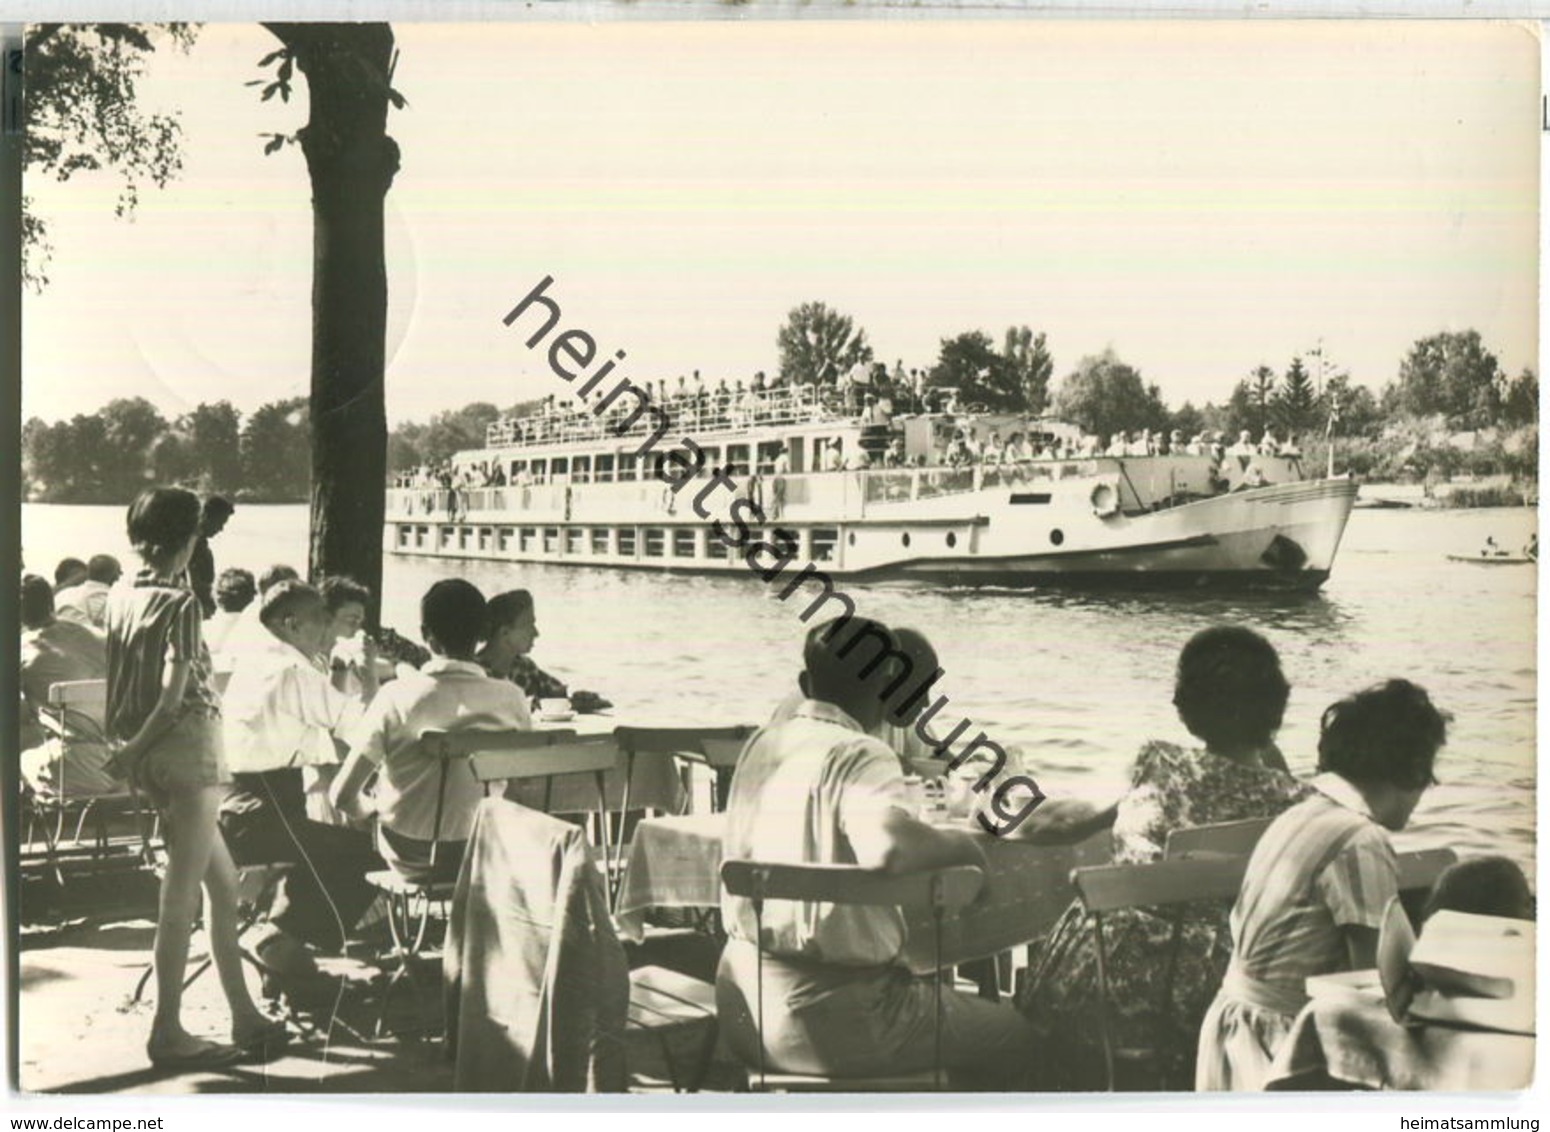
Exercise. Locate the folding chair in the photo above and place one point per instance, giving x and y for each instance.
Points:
(410, 903)
(525, 755)
(1206, 875)
(942, 891)
(715, 747)
(1110, 888)
(72, 716)
(1223, 839)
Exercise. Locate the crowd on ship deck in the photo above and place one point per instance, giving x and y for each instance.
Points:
(255, 713)
(870, 396)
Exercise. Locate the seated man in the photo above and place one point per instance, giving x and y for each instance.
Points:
(818, 789)
(55, 652)
(281, 714)
(87, 603)
(896, 726)
(451, 693)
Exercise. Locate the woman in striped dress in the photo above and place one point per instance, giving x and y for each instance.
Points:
(1320, 878)
(165, 715)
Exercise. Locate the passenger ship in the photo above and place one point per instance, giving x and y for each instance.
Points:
(577, 493)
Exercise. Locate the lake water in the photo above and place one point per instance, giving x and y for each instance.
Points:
(1078, 681)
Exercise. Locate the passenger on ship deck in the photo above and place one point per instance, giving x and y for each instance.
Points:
(1321, 877)
(832, 460)
(832, 973)
(451, 693)
(894, 457)
(1017, 450)
(859, 460)
(1290, 447)
(1245, 445)
(1230, 693)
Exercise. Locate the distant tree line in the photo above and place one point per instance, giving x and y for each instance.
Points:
(107, 456)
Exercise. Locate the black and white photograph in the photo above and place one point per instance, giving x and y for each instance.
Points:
(760, 552)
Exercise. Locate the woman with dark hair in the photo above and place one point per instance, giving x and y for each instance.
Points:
(1321, 878)
(1231, 695)
(163, 710)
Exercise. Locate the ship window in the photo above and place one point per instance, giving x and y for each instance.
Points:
(604, 466)
(851, 538)
(952, 540)
(824, 541)
(484, 538)
(713, 457)
(656, 542)
(599, 540)
(504, 538)
(627, 542)
(767, 453)
(581, 469)
(558, 467)
(626, 468)
(575, 540)
(539, 470)
(905, 538)
(737, 454)
(551, 539)
(420, 535)
(525, 544)
(403, 534)
(516, 470)
(683, 543)
(448, 537)
(1057, 536)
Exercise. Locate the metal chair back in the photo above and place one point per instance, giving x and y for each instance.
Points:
(1223, 839)
(715, 747)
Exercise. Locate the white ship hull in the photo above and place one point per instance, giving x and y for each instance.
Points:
(1105, 522)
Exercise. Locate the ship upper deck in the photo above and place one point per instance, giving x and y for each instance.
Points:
(696, 413)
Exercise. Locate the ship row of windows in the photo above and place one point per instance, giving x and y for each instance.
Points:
(816, 544)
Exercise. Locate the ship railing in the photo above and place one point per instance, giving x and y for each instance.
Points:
(714, 412)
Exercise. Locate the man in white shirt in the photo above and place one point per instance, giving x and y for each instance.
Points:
(87, 603)
(819, 789)
(280, 716)
(450, 693)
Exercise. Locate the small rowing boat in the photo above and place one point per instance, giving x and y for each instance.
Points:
(1492, 559)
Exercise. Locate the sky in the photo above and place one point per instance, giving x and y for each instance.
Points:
(1201, 197)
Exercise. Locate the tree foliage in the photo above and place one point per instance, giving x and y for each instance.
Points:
(1295, 408)
(275, 451)
(984, 379)
(1105, 395)
(818, 342)
(1452, 374)
(81, 115)
(1031, 366)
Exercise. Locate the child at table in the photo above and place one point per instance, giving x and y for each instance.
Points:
(1320, 879)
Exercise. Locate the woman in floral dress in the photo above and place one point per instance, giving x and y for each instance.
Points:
(1230, 694)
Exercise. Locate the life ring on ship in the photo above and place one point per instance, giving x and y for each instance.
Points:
(1105, 500)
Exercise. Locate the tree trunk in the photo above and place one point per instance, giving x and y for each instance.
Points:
(351, 161)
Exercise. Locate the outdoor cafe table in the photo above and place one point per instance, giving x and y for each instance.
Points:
(675, 862)
(1348, 1042)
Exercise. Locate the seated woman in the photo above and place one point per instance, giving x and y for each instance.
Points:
(1231, 695)
(1321, 878)
(509, 637)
